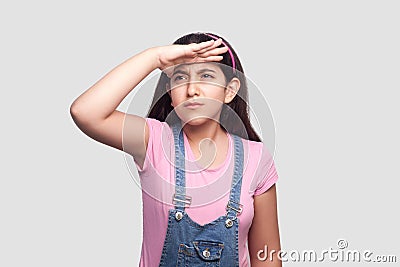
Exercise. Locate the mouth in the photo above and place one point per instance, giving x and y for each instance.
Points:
(193, 104)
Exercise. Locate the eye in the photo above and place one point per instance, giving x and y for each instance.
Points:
(178, 78)
(206, 75)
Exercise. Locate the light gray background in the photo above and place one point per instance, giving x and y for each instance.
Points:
(329, 70)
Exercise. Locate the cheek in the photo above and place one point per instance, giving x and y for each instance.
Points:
(177, 96)
(217, 94)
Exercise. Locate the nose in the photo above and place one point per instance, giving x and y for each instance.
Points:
(193, 88)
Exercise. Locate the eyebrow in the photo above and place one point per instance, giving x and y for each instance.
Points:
(200, 71)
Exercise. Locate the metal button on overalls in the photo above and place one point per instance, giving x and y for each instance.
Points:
(178, 215)
(206, 253)
(188, 243)
(228, 223)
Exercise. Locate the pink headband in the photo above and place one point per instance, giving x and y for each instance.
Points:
(229, 50)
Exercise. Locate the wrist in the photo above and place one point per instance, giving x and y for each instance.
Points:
(154, 54)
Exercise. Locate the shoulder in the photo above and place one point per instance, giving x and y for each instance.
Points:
(157, 127)
(255, 149)
(154, 122)
(159, 131)
(157, 139)
(260, 161)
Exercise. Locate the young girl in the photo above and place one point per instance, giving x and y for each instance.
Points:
(208, 182)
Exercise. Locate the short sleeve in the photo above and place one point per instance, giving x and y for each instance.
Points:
(266, 174)
(155, 127)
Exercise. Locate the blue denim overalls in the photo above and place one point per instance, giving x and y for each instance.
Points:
(188, 243)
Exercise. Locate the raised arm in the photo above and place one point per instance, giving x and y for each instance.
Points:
(94, 112)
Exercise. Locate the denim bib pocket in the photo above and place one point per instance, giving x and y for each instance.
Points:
(202, 253)
(207, 250)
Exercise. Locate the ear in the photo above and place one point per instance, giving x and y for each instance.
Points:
(231, 90)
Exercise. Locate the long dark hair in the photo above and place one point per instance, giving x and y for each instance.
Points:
(161, 104)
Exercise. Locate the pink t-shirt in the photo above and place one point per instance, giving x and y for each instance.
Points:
(209, 188)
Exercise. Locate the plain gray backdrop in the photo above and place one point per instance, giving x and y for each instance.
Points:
(328, 69)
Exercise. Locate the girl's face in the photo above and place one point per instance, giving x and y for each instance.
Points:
(203, 84)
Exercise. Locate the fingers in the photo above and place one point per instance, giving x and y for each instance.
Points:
(215, 44)
(213, 58)
(208, 51)
(205, 46)
(199, 52)
(214, 52)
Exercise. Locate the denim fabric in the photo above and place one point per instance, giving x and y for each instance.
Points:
(188, 243)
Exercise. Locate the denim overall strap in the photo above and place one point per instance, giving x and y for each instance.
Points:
(234, 207)
(179, 198)
(215, 244)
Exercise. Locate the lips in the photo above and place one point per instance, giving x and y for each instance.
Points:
(193, 104)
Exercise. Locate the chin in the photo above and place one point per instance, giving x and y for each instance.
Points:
(196, 118)
(197, 121)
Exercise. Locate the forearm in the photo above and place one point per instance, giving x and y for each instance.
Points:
(102, 98)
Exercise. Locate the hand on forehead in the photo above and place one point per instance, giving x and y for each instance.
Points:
(196, 67)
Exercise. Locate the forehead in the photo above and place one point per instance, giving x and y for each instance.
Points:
(213, 66)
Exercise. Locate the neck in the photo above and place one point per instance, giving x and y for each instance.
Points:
(210, 129)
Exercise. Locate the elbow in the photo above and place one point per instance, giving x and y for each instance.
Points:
(79, 115)
(75, 111)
